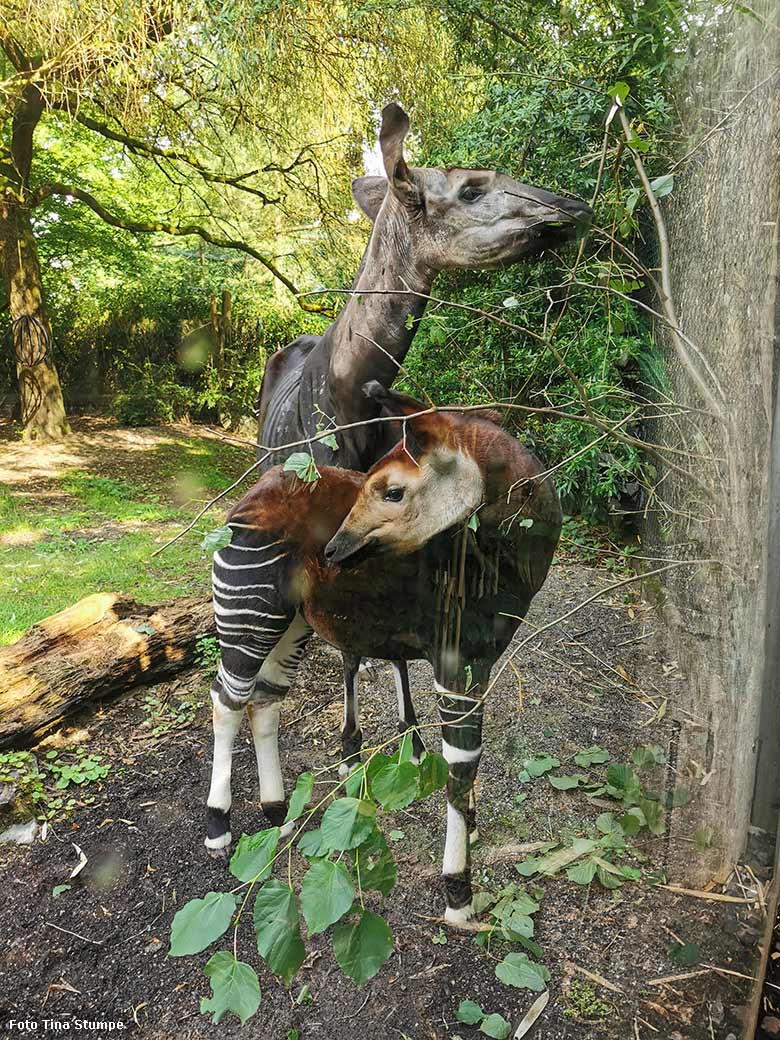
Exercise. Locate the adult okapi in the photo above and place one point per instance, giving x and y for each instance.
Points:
(424, 221)
(383, 565)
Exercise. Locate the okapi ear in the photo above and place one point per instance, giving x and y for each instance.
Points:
(369, 193)
(395, 127)
(394, 403)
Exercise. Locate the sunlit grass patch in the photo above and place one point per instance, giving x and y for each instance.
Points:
(86, 532)
(40, 580)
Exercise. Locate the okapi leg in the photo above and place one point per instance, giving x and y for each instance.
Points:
(351, 733)
(264, 720)
(407, 719)
(461, 718)
(226, 721)
(273, 684)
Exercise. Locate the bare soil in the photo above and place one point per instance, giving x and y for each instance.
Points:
(99, 950)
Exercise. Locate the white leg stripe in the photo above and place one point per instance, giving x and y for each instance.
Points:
(222, 842)
(455, 850)
(238, 588)
(226, 724)
(246, 566)
(265, 732)
(252, 548)
(453, 754)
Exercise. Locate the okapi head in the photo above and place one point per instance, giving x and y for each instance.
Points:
(476, 219)
(433, 478)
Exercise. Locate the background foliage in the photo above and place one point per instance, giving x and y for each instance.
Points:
(522, 88)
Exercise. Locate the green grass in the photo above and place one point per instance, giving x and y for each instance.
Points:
(53, 551)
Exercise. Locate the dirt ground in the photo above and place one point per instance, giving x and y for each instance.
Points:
(99, 951)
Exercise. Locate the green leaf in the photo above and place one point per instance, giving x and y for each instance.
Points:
(234, 987)
(540, 764)
(619, 90)
(347, 822)
(592, 756)
(469, 1013)
(653, 813)
(217, 539)
(303, 466)
(473, 524)
(517, 969)
(277, 928)
(582, 873)
(607, 822)
(510, 303)
(607, 878)
(253, 855)
(566, 783)
(299, 799)
(311, 844)
(406, 747)
(327, 894)
(632, 822)
(59, 889)
(361, 949)
(330, 440)
(397, 835)
(374, 864)
(685, 955)
(649, 755)
(623, 783)
(433, 773)
(393, 783)
(200, 922)
(663, 186)
(495, 1025)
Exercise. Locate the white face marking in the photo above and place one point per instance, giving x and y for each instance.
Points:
(445, 488)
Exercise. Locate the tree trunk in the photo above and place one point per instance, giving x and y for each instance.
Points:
(102, 646)
(40, 394)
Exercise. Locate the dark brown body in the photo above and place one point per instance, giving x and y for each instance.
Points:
(463, 594)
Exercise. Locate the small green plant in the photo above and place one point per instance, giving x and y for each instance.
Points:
(584, 1004)
(207, 652)
(471, 1014)
(40, 782)
(164, 715)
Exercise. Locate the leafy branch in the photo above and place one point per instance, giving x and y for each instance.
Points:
(163, 227)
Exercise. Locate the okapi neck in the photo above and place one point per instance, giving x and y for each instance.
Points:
(374, 331)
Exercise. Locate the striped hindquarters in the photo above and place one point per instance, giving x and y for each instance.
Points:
(252, 615)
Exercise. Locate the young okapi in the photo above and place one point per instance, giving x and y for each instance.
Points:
(425, 221)
(383, 565)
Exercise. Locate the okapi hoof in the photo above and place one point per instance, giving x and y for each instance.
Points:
(221, 854)
(218, 836)
(462, 918)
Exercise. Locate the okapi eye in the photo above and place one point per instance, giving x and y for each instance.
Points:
(394, 494)
(469, 194)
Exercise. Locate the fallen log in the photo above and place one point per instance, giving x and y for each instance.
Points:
(100, 647)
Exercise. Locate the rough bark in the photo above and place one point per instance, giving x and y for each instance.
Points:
(42, 406)
(40, 394)
(102, 646)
